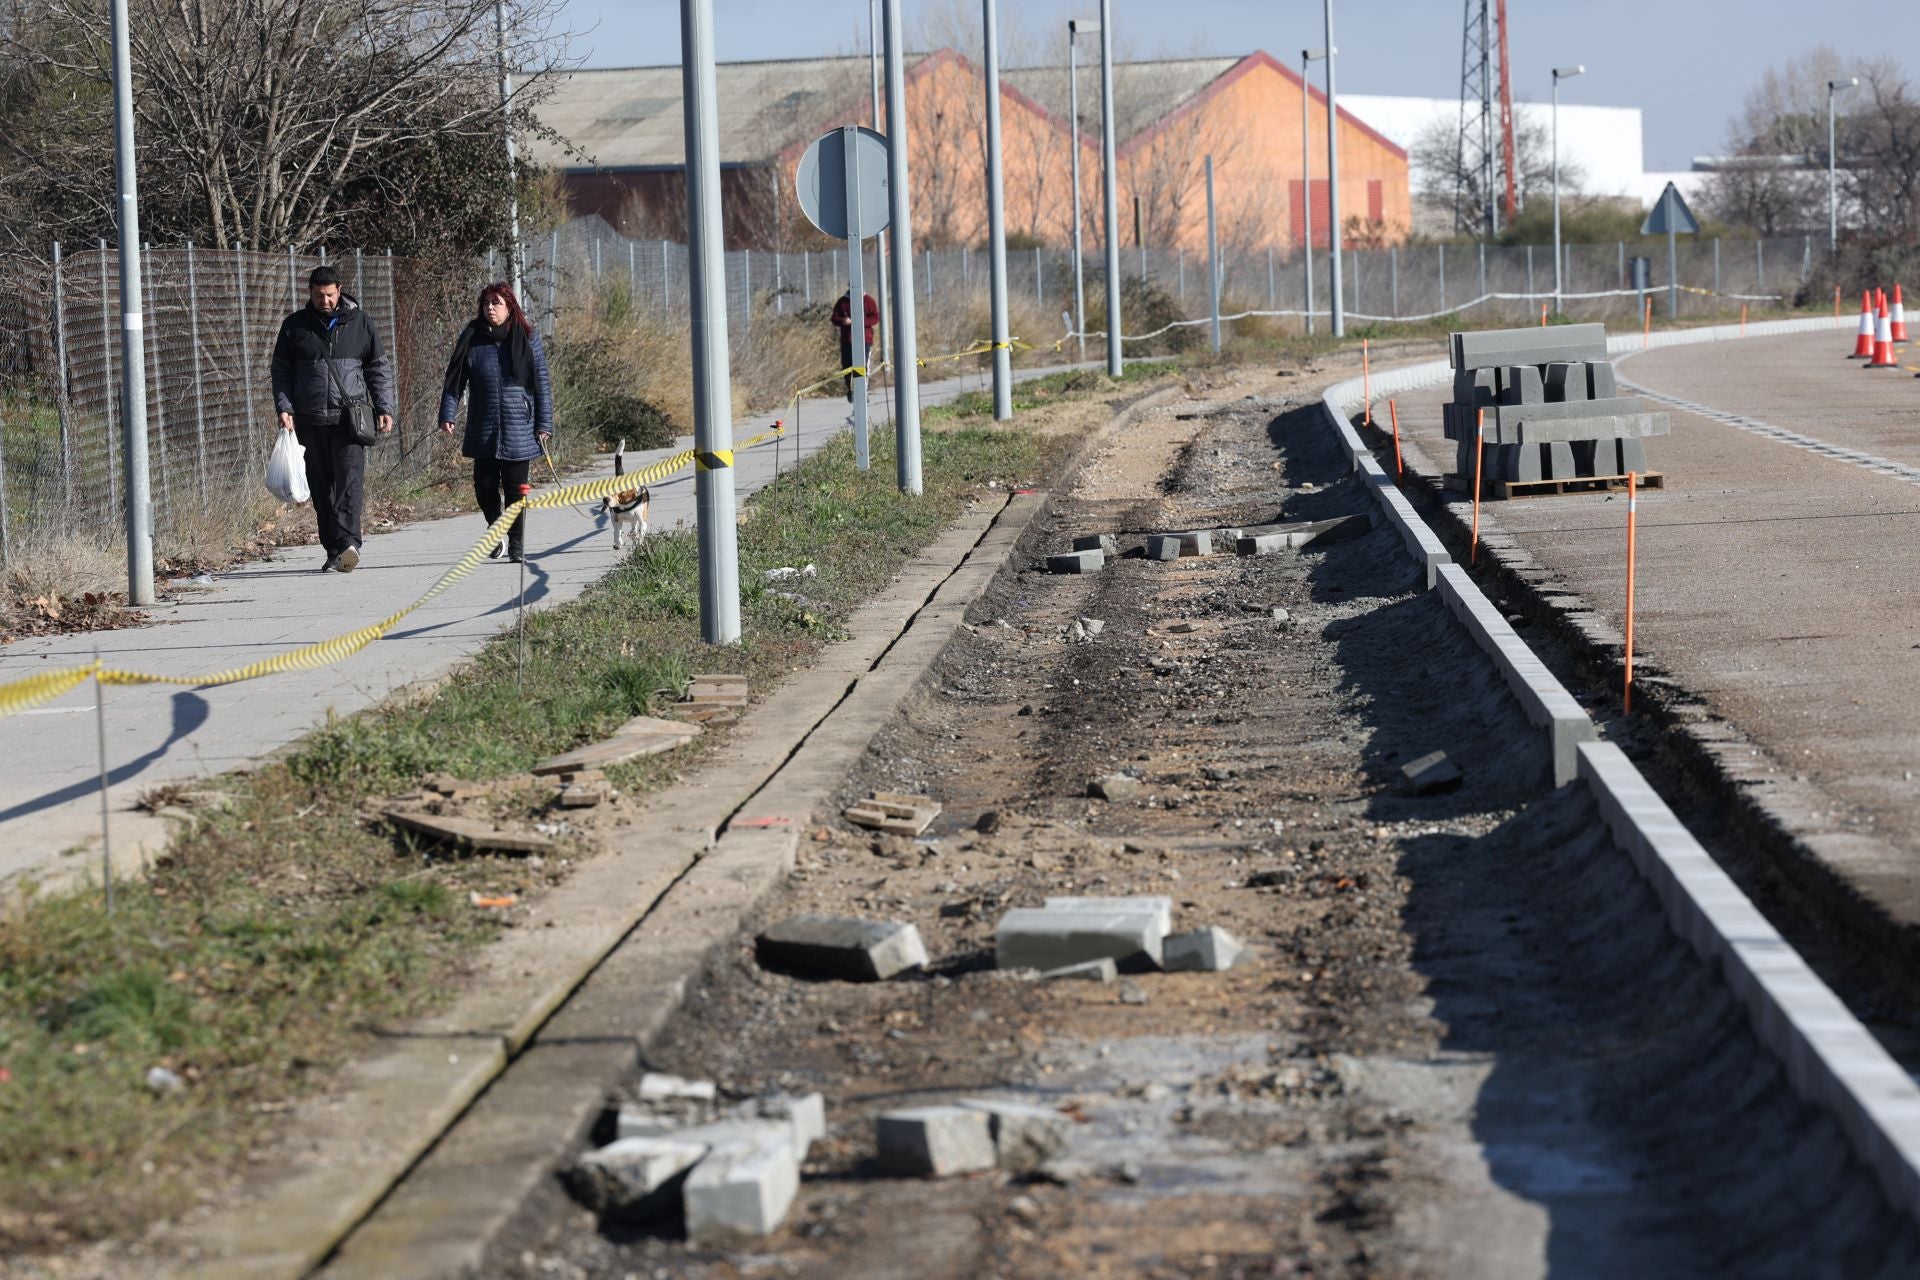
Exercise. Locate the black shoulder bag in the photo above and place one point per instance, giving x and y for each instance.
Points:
(361, 426)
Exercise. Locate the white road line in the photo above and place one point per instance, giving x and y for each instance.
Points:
(1781, 435)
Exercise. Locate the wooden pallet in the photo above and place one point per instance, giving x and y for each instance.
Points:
(1574, 484)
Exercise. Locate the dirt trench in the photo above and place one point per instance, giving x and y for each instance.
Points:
(1464, 1044)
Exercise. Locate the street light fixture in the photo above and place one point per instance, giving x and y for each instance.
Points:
(1559, 74)
(1077, 27)
(1833, 200)
(1307, 58)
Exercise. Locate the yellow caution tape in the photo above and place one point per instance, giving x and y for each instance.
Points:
(18, 695)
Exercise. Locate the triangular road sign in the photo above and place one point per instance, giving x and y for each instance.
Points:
(1670, 214)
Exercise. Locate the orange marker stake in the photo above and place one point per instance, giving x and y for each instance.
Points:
(1836, 306)
(1366, 380)
(1646, 326)
(1479, 453)
(1393, 412)
(1743, 319)
(1633, 507)
(1543, 315)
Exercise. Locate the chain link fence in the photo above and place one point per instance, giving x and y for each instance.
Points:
(212, 317)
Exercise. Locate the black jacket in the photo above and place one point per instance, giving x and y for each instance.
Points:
(360, 368)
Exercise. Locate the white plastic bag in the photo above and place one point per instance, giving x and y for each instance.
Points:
(287, 470)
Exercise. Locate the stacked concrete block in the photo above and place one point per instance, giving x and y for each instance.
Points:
(1549, 404)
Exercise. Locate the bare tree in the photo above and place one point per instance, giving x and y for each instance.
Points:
(1434, 159)
(271, 117)
(1881, 152)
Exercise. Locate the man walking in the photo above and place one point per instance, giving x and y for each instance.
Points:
(326, 358)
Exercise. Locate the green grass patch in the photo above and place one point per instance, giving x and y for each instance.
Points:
(976, 406)
(275, 934)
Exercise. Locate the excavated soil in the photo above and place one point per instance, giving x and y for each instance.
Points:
(1464, 1043)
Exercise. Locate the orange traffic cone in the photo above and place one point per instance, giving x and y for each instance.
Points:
(1899, 316)
(1883, 342)
(1863, 341)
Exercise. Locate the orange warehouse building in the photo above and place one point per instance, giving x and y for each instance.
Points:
(622, 155)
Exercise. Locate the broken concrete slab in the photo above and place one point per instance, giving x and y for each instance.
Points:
(1325, 533)
(1267, 544)
(1024, 1136)
(633, 1178)
(1105, 543)
(1196, 542)
(742, 1188)
(843, 948)
(665, 1105)
(1103, 970)
(1207, 950)
(1163, 907)
(1077, 562)
(1045, 939)
(1430, 775)
(805, 1115)
(934, 1142)
(1163, 546)
(1115, 786)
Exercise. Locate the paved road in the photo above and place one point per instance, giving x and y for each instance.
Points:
(49, 776)
(1779, 569)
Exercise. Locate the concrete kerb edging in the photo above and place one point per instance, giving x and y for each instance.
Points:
(1830, 1058)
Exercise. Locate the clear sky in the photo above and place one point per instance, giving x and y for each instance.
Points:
(1685, 63)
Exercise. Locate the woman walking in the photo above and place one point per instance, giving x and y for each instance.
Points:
(498, 362)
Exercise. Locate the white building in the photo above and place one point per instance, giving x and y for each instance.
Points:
(1604, 142)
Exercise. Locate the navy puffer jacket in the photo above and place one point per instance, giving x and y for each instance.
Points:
(504, 417)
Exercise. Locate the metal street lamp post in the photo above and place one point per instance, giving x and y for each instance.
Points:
(1110, 194)
(1307, 57)
(1833, 197)
(1559, 74)
(1333, 181)
(1077, 27)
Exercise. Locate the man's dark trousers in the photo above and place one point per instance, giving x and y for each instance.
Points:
(336, 473)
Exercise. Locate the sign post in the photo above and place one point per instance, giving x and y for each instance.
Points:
(842, 186)
(1670, 217)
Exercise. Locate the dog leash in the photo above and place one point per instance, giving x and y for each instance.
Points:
(555, 473)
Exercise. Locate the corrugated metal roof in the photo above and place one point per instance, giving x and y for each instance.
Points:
(1143, 92)
(630, 116)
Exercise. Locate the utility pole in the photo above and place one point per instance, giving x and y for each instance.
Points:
(133, 345)
(880, 241)
(1307, 58)
(1833, 186)
(906, 341)
(1559, 74)
(712, 374)
(997, 221)
(1110, 194)
(1333, 182)
(1077, 27)
(1213, 262)
(506, 128)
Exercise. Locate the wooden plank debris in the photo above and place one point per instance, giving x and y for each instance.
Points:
(895, 813)
(641, 736)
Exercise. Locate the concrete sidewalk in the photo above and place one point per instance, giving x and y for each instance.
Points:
(49, 771)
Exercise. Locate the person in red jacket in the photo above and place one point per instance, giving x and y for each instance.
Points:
(843, 321)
